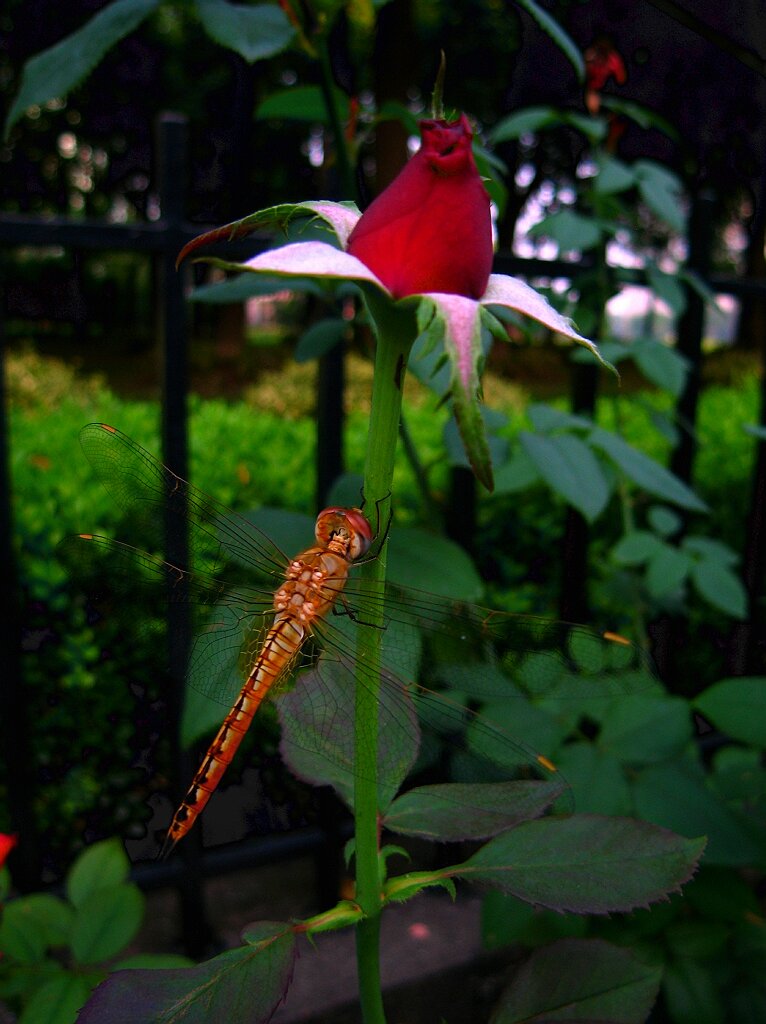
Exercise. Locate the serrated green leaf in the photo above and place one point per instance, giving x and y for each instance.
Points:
(101, 865)
(584, 863)
(737, 707)
(646, 472)
(569, 467)
(53, 73)
(720, 587)
(106, 922)
(254, 32)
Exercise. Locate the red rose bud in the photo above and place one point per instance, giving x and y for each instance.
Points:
(430, 230)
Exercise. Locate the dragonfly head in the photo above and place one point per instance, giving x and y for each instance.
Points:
(347, 523)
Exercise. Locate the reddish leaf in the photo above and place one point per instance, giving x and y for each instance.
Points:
(244, 985)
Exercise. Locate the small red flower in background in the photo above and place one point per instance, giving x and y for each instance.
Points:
(7, 843)
(602, 62)
(430, 230)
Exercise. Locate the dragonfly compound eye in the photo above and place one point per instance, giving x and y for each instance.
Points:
(348, 523)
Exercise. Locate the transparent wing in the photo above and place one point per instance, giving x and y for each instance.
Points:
(158, 500)
(464, 692)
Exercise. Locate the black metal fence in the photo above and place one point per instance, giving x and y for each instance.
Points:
(162, 239)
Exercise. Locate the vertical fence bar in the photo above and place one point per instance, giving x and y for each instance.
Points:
(14, 720)
(172, 157)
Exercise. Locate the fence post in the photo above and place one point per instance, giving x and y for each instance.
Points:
(172, 168)
(14, 721)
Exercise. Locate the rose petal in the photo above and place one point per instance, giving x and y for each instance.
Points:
(342, 217)
(455, 320)
(311, 259)
(515, 294)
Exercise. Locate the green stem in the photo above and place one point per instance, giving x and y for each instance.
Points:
(327, 85)
(395, 334)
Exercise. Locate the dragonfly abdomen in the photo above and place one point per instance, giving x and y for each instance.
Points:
(282, 643)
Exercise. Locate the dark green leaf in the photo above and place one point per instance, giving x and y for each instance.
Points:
(635, 548)
(546, 418)
(53, 916)
(675, 796)
(571, 230)
(644, 729)
(551, 27)
(427, 561)
(242, 287)
(664, 521)
(102, 865)
(56, 71)
(643, 117)
(691, 993)
(584, 864)
(255, 33)
(596, 777)
(57, 1000)
(21, 936)
(668, 288)
(662, 192)
(506, 921)
(153, 961)
(711, 550)
(613, 176)
(301, 103)
(457, 811)
(737, 707)
(319, 745)
(662, 365)
(318, 339)
(668, 568)
(593, 128)
(531, 119)
(580, 980)
(569, 467)
(244, 985)
(106, 922)
(720, 587)
(517, 474)
(646, 472)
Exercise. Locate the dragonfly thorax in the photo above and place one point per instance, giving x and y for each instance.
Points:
(314, 581)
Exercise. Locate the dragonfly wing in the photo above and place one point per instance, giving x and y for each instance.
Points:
(159, 500)
(230, 619)
(318, 735)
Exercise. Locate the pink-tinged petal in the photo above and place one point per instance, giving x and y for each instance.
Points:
(514, 294)
(455, 320)
(342, 217)
(310, 259)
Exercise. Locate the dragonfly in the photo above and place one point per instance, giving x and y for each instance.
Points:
(290, 631)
